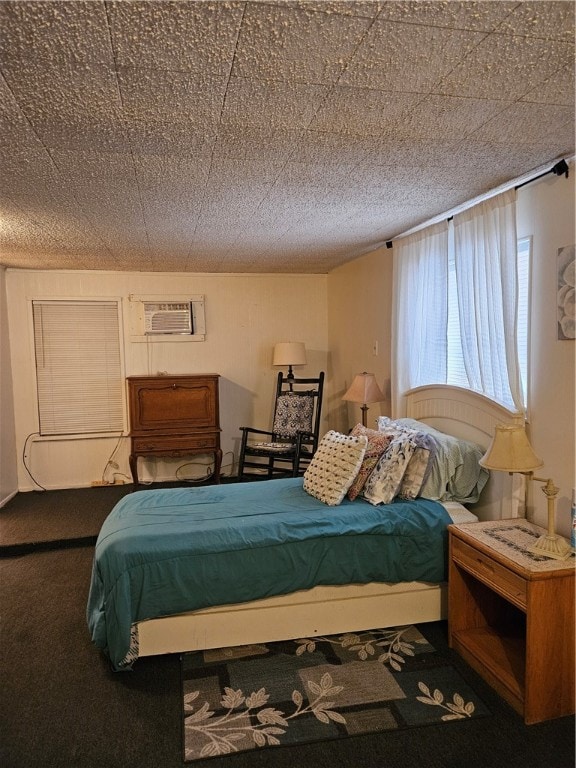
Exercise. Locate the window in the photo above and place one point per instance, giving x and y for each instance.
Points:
(456, 371)
(78, 367)
(461, 305)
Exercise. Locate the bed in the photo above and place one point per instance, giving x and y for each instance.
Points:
(324, 568)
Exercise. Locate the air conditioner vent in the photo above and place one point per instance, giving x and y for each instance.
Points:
(168, 318)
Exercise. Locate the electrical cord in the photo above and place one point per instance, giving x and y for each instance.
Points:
(195, 480)
(26, 467)
(110, 462)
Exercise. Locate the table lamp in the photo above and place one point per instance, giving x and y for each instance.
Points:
(510, 451)
(364, 389)
(289, 353)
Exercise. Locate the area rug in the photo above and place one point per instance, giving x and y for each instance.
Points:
(312, 689)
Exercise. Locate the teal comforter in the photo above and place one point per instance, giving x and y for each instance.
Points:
(162, 552)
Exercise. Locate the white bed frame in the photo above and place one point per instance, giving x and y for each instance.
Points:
(351, 608)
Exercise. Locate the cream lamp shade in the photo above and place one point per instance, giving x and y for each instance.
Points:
(289, 353)
(364, 389)
(510, 451)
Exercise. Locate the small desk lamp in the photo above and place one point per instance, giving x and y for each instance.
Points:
(364, 389)
(289, 353)
(510, 451)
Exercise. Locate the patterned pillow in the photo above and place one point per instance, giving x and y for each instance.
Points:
(455, 474)
(334, 466)
(386, 479)
(293, 414)
(416, 472)
(420, 464)
(377, 444)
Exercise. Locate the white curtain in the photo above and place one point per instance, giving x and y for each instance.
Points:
(420, 311)
(485, 257)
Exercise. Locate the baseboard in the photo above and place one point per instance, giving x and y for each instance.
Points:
(6, 499)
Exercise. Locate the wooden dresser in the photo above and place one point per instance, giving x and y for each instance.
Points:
(174, 416)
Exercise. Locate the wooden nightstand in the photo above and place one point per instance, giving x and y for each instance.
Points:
(511, 615)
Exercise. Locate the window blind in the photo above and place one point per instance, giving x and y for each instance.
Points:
(78, 367)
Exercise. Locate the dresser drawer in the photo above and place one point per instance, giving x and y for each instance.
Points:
(174, 443)
(498, 577)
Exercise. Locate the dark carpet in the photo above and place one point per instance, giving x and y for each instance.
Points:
(61, 705)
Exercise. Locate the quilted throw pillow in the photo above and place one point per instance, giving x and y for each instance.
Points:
(377, 444)
(418, 469)
(293, 414)
(334, 466)
(384, 483)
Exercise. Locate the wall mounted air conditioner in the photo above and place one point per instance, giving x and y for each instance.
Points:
(164, 318)
(167, 317)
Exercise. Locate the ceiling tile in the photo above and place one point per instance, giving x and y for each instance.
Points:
(448, 116)
(466, 14)
(539, 122)
(558, 89)
(177, 178)
(15, 129)
(257, 143)
(507, 67)
(159, 94)
(407, 57)
(260, 103)
(54, 36)
(362, 112)
(168, 136)
(287, 42)
(176, 36)
(550, 20)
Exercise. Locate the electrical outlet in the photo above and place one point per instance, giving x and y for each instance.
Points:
(98, 483)
(375, 348)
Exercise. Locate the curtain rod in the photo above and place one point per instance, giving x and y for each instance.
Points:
(561, 167)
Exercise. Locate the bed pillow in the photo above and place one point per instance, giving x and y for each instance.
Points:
(377, 444)
(418, 468)
(455, 473)
(384, 483)
(334, 466)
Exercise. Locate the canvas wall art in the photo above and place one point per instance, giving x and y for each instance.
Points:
(566, 292)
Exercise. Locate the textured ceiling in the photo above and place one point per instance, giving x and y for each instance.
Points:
(265, 136)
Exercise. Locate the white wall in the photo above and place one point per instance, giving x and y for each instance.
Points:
(545, 211)
(8, 470)
(360, 316)
(245, 316)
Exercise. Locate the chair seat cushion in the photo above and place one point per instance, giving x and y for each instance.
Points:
(274, 447)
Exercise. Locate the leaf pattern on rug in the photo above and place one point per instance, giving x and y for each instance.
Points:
(237, 723)
(365, 646)
(457, 708)
(295, 692)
